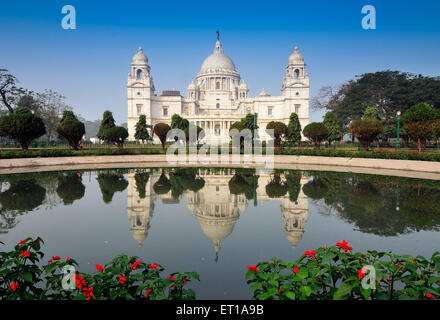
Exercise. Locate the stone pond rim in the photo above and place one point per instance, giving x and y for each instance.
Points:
(404, 168)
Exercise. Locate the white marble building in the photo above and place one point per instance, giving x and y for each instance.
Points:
(218, 97)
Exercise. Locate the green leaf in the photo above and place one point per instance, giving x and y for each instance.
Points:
(343, 290)
(268, 294)
(366, 293)
(302, 273)
(306, 290)
(328, 256)
(27, 276)
(290, 295)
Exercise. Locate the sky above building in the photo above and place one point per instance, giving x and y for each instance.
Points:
(89, 65)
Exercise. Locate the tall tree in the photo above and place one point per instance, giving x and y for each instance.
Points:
(279, 131)
(141, 130)
(107, 122)
(51, 106)
(332, 127)
(10, 93)
(421, 123)
(293, 129)
(71, 129)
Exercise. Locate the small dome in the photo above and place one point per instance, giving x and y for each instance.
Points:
(192, 86)
(296, 57)
(263, 93)
(218, 60)
(140, 57)
(243, 85)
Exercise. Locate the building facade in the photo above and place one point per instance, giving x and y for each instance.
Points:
(218, 97)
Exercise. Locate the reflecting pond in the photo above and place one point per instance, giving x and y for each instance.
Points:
(216, 221)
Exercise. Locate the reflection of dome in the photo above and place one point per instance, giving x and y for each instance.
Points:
(296, 57)
(218, 60)
(217, 228)
(139, 236)
(140, 57)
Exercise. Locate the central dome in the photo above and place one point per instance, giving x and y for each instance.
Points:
(217, 60)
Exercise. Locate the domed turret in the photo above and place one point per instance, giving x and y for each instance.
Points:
(140, 57)
(296, 57)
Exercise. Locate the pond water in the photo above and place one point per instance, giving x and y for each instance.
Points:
(216, 221)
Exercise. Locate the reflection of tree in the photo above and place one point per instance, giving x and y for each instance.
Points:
(365, 195)
(22, 195)
(370, 202)
(141, 179)
(7, 220)
(182, 179)
(162, 185)
(315, 189)
(276, 188)
(244, 182)
(70, 187)
(109, 183)
(293, 181)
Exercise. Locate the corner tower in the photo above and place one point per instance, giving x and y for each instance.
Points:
(296, 87)
(140, 90)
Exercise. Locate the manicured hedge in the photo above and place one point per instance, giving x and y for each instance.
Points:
(375, 154)
(11, 154)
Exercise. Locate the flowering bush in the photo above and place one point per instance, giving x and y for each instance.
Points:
(375, 154)
(22, 277)
(338, 273)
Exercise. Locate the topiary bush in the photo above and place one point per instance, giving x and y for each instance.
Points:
(316, 132)
(22, 126)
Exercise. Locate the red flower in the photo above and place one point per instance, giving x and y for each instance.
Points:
(361, 273)
(147, 293)
(122, 279)
(50, 261)
(310, 253)
(184, 280)
(14, 286)
(25, 253)
(21, 242)
(388, 279)
(400, 267)
(99, 267)
(404, 292)
(253, 268)
(295, 269)
(67, 259)
(134, 265)
(56, 257)
(279, 291)
(428, 295)
(344, 245)
(172, 278)
(153, 266)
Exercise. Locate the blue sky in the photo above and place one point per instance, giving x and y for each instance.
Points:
(89, 65)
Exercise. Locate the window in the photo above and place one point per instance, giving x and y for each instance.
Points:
(297, 106)
(139, 93)
(139, 74)
(217, 85)
(269, 111)
(139, 108)
(217, 188)
(296, 73)
(165, 111)
(217, 105)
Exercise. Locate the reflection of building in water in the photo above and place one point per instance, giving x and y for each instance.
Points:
(216, 209)
(294, 213)
(139, 210)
